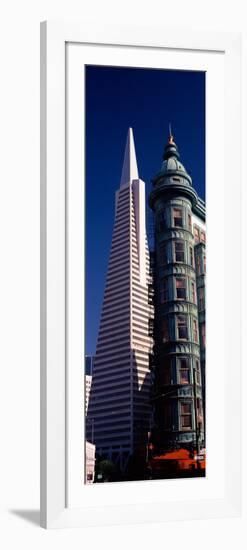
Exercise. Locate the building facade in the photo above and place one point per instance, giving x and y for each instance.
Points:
(90, 463)
(89, 362)
(119, 410)
(179, 291)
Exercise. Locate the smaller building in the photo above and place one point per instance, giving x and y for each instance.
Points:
(88, 384)
(90, 463)
(89, 363)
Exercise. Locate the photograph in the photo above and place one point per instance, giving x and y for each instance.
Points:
(145, 274)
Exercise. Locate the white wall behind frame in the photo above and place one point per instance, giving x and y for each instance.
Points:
(19, 107)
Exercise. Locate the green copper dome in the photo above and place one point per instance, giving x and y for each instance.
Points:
(173, 177)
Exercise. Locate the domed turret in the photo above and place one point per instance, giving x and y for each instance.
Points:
(173, 176)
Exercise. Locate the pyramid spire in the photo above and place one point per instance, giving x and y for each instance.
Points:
(129, 170)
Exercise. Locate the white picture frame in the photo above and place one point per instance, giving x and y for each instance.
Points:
(55, 505)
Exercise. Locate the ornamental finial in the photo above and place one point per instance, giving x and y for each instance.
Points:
(170, 139)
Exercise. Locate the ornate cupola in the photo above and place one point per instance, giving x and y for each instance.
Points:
(173, 177)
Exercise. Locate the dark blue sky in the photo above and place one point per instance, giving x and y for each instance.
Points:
(147, 100)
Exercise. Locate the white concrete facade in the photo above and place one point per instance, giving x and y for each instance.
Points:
(88, 384)
(119, 406)
(90, 463)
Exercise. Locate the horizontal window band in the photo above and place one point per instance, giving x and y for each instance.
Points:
(110, 433)
(114, 321)
(122, 424)
(112, 430)
(108, 320)
(118, 269)
(140, 317)
(117, 300)
(118, 276)
(111, 385)
(121, 239)
(123, 211)
(120, 226)
(120, 344)
(123, 206)
(121, 230)
(121, 292)
(119, 379)
(123, 297)
(105, 347)
(113, 287)
(114, 337)
(122, 283)
(140, 305)
(114, 374)
(102, 361)
(119, 260)
(122, 417)
(140, 335)
(105, 342)
(113, 405)
(106, 357)
(143, 323)
(125, 357)
(118, 239)
(98, 414)
(125, 247)
(124, 251)
(102, 398)
(105, 331)
(107, 444)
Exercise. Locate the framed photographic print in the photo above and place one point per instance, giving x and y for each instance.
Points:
(140, 271)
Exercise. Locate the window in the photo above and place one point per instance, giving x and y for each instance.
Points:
(150, 327)
(203, 336)
(204, 264)
(165, 330)
(195, 331)
(198, 264)
(191, 256)
(201, 300)
(150, 294)
(184, 372)
(179, 251)
(193, 293)
(182, 327)
(196, 234)
(198, 378)
(199, 407)
(164, 295)
(163, 254)
(181, 288)
(162, 223)
(203, 237)
(177, 217)
(189, 222)
(197, 373)
(186, 416)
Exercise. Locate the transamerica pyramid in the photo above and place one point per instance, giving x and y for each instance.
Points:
(119, 410)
